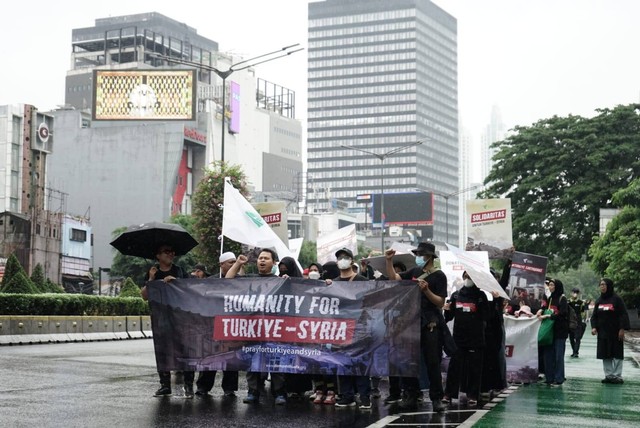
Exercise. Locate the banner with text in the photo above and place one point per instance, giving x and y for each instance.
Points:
(293, 325)
(489, 227)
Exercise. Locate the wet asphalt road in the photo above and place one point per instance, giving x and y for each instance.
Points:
(110, 384)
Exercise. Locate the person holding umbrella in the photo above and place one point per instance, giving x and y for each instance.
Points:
(167, 271)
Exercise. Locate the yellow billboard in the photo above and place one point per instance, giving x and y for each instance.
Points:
(144, 95)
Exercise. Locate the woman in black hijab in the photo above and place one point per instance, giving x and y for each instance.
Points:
(554, 354)
(288, 266)
(609, 321)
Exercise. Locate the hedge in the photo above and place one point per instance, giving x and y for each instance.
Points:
(71, 304)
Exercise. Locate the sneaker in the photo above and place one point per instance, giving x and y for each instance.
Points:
(319, 397)
(420, 396)
(365, 403)
(471, 402)
(281, 400)
(164, 391)
(330, 398)
(555, 384)
(345, 402)
(392, 399)
(606, 380)
(375, 393)
(188, 390)
(446, 399)
(229, 393)
(251, 398)
(617, 380)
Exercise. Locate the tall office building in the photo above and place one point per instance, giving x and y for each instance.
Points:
(494, 131)
(383, 75)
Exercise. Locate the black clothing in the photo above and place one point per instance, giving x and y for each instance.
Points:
(469, 309)
(431, 332)
(575, 336)
(609, 317)
(175, 271)
(560, 307)
(355, 278)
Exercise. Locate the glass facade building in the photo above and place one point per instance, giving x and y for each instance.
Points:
(383, 75)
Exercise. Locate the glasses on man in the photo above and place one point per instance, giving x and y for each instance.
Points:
(167, 251)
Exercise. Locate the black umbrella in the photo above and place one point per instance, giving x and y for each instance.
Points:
(142, 240)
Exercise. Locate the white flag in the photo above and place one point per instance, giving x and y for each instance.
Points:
(242, 223)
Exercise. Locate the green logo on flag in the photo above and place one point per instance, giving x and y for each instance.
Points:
(255, 218)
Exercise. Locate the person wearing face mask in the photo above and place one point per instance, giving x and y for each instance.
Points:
(433, 286)
(469, 308)
(580, 307)
(349, 384)
(315, 271)
(267, 263)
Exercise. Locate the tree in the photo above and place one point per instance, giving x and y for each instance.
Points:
(52, 287)
(207, 211)
(20, 284)
(558, 173)
(308, 253)
(38, 279)
(616, 254)
(129, 289)
(11, 269)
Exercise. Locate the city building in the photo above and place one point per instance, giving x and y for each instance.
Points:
(123, 171)
(30, 211)
(495, 130)
(382, 76)
(76, 255)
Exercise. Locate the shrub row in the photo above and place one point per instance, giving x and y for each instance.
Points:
(71, 304)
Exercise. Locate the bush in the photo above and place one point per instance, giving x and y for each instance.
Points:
(52, 287)
(71, 304)
(20, 284)
(129, 288)
(38, 279)
(11, 269)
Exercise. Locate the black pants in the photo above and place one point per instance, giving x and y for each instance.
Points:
(350, 384)
(206, 380)
(254, 383)
(165, 378)
(431, 348)
(465, 372)
(575, 337)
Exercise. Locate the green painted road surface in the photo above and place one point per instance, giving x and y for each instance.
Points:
(582, 401)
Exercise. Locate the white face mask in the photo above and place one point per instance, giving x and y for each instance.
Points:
(314, 275)
(468, 282)
(344, 264)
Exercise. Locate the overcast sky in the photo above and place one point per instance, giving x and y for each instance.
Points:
(534, 59)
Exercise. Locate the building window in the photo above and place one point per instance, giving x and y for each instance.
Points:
(78, 235)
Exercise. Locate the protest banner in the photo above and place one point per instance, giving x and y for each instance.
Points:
(489, 227)
(328, 243)
(526, 280)
(293, 325)
(521, 348)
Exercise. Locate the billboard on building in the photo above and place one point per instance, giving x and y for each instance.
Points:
(234, 106)
(403, 209)
(275, 215)
(144, 95)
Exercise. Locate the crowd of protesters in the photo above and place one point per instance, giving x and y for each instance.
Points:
(477, 365)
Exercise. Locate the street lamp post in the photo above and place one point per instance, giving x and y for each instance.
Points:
(251, 62)
(382, 157)
(100, 270)
(446, 197)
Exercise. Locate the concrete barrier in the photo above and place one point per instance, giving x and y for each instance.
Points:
(16, 329)
(146, 326)
(120, 327)
(134, 328)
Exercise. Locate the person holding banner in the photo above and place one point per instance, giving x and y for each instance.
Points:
(267, 260)
(433, 284)
(469, 308)
(553, 354)
(167, 271)
(349, 384)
